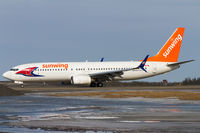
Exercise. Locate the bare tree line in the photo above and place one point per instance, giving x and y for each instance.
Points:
(191, 81)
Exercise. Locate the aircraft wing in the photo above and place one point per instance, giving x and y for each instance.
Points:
(108, 76)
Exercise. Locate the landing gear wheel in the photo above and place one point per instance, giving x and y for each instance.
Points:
(93, 84)
(99, 84)
(44, 84)
(96, 84)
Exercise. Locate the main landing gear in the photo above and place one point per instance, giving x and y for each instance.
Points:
(96, 84)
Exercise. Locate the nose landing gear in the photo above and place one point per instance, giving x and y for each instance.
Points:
(20, 83)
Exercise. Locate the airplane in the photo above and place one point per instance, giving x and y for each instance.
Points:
(94, 74)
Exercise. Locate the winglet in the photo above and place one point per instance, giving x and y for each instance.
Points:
(102, 59)
(143, 63)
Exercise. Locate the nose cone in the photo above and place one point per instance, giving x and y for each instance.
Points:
(6, 75)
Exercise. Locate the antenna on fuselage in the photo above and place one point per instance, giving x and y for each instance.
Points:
(86, 59)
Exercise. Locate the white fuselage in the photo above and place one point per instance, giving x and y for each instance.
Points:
(95, 73)
(54, 71)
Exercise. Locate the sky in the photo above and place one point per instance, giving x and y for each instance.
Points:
(80, 30)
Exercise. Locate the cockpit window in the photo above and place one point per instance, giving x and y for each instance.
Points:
(14, 69)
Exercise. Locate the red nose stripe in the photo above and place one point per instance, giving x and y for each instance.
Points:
(27, 71)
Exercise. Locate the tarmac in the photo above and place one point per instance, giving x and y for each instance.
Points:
(36, 111)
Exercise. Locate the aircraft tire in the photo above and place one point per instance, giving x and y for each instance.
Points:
(93, 84)
(99, 84)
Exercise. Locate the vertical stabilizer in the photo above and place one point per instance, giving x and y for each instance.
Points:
(170, 51)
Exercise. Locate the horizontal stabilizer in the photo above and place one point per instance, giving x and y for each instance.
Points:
(179, 63)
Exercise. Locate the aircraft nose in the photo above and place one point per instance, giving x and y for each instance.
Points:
(6, 75)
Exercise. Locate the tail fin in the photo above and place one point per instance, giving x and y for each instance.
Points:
(170, 51)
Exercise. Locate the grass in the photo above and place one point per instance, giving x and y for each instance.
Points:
(129, 94)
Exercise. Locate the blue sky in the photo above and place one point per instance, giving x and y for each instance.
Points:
(79, 30)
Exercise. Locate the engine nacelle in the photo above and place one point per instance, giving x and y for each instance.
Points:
(81, 80)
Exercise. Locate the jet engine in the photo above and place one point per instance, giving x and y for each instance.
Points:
(81, 80)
